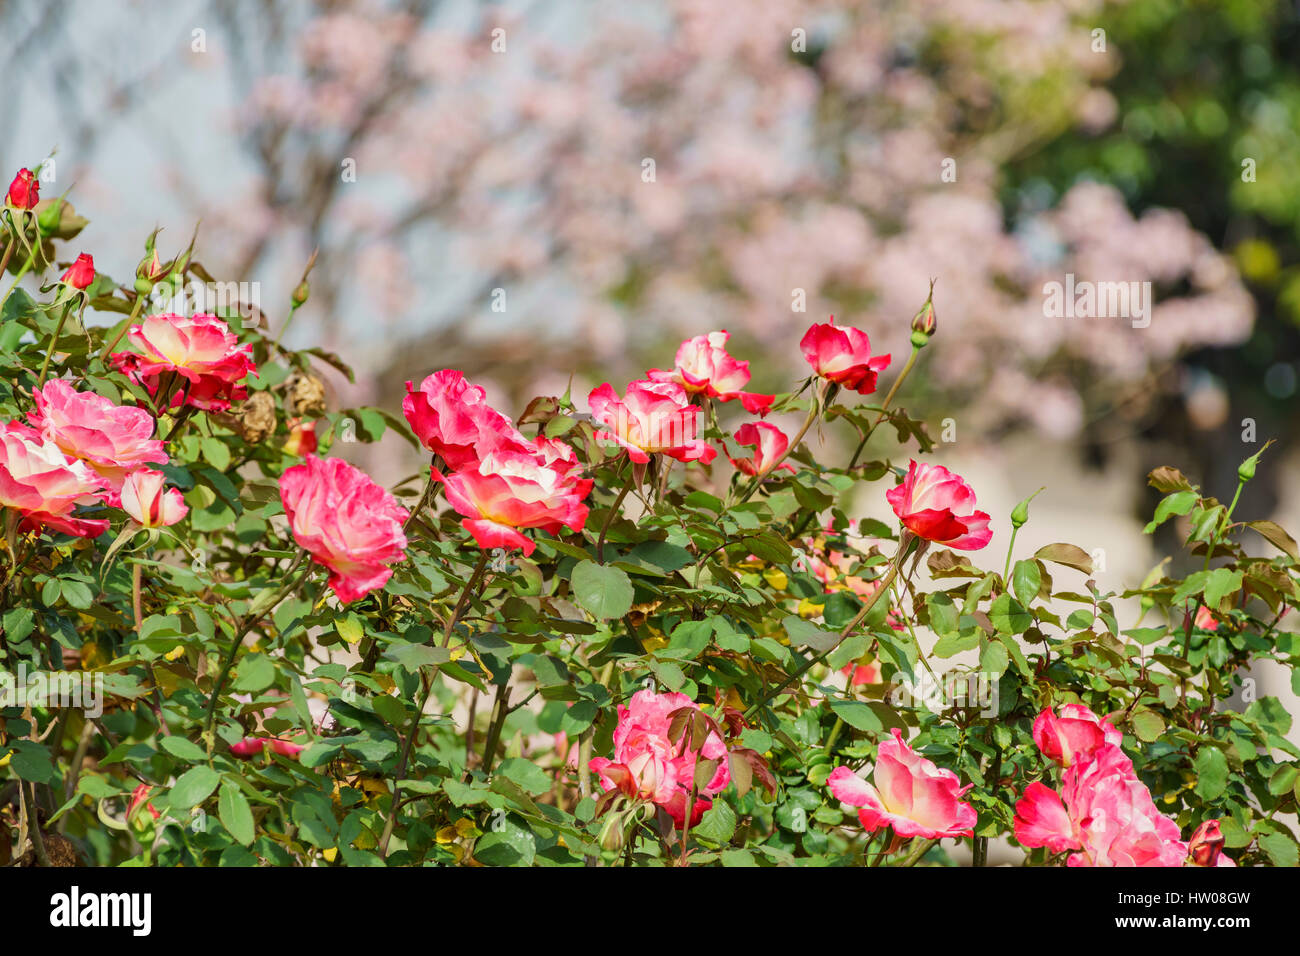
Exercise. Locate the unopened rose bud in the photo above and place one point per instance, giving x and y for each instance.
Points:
(151, 268)
(1206, 844)
(81, 273)
(24, 191)
(302, 439)
(247, 748)
(300, 294)
(924, 323)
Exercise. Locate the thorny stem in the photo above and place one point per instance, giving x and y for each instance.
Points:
(849, 628)
(884, 407)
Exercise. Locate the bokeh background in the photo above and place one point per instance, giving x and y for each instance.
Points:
(449, 157)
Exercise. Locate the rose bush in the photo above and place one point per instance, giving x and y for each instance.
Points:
(648, 627)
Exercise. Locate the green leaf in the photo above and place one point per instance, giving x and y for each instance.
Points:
(1281, 849)
(1221, 583)
(1179, 503)
(943, 613)
(994, 659)
(256, 672)
(1026, 579)
(1008, 616)
(857, 715)
(717, 825)
(806, 634)
(1211, 773)
(193, 787)
(236, 816)
(1147, 725)
(526, 774)
(604, 591)
(183, 749)
(31, 761)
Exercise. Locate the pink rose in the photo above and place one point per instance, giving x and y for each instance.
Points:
(769, 444)
(247, 748)
(146, 499)
(649, 765)
(862, 673)
(939, 506)
(703, 366)
(512, 490)
(1104, 812)
(140, 795)
(453, 420)
(910, 794)
(45, 485)
(1073, 736)
(1205, 620)
(654, 418)
(842, 354)
(346, 522)
(198, 361)
(24, 191)
(81, 273)
(112, 439)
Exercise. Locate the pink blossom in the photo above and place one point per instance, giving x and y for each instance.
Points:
(1205, 848)
(769, 444)
(197, 361)
(1103, 812)
(453, 419)
(649, 765)
(653, 418)
(145, 500)
(1073, 736)
(842, 354)
(939, 506)
(704, 366)
(45, 485)
(910, 794)
(112, 439)
(512, 490)
(346, 522)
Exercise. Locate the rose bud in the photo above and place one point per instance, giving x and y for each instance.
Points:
(24, 191)
(81, 273)
(302, 439)
(286, 748)
(247, 748)
(923, 323)
(1206, 846)
(145, 499)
